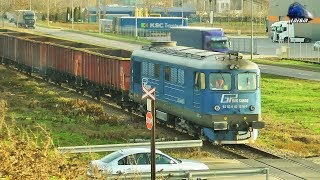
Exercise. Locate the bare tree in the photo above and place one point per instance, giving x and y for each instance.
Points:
(149, 4)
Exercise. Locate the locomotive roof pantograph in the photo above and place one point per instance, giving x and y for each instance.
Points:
(194, 58)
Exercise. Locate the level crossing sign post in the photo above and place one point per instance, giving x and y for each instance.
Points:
(151, 125)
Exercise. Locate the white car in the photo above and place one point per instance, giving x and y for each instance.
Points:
(316, 46)
(137, 160)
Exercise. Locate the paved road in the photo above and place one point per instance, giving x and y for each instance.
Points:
(107, 42)
(87, 38)
(296, 73)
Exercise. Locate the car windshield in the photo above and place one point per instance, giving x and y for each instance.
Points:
(218, 43)
(247, 81)
(110, 157)
(29, 17)
(220, 81)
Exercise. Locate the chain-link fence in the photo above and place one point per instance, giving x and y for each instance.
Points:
(243, 45)
(299, 51)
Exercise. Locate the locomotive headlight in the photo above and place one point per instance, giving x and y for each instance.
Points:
(217, 108)
(252, 108)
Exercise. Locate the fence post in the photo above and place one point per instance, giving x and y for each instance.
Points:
(300, 51)
(238, 44)
(233, 44)
(318, 54)
(294, 47)
(244, 44)
(267, 173)
(306, 50)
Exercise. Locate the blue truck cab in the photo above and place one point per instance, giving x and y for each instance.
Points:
(212, 39)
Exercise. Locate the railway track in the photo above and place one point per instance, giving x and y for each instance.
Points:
(280, 167)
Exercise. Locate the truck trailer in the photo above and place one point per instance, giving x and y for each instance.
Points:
(147, 24)
(212, 39)
(285, 31)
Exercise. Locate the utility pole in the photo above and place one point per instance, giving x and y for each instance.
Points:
(104, 7)
(98, 14)
(136, 23)
(2, 13)
(48, 12)
(30, 4)
(182, 12)
(72, 14)
(251, 57)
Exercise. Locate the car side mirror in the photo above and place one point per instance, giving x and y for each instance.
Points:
(172, 162)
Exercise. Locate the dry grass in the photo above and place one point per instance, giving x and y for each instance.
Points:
(290, 141)
(25, 157)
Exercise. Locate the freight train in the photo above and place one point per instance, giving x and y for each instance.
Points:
(211, 95)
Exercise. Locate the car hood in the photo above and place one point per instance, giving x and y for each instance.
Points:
(193, 165)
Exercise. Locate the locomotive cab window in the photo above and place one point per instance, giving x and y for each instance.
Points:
(247, 81)
(219, 81)
(199, 81)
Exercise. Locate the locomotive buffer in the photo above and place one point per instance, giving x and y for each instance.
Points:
(151, 124)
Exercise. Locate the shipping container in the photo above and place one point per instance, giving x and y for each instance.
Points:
(160, 24)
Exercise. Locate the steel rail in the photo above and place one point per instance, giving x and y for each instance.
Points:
(264, 153)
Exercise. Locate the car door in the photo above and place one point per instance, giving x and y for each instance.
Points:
(134, 163)
(164, 163)
(125, 165)
(143, 162)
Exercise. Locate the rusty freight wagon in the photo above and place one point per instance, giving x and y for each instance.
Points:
(88, 68)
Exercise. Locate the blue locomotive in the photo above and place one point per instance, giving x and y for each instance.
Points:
(210, 95)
